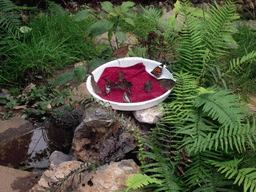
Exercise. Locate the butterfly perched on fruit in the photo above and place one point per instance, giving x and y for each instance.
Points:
(157, 71)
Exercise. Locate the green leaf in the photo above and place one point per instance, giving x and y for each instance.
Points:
(107, 6)
(100, 27)
(25, 29)
(177, 7)
(81, 15)
(96, 63)
(126, 6)
(63, 78)
(230, 42)
(129, 21)
(139, 180)
(80, 72)
(120, 36)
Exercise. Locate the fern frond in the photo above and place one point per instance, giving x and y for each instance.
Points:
(235, 64)
(9, 18)
(140, 180)
(191, 49)
(56, 9)
(244, 175)
(236, 137)
(161, 169)
(199, 170)
(219, 26)
(152, 13)
(221, 106)
(180, 108)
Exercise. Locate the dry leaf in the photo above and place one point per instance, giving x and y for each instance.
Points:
(95, 86)
(166, 83)
(115, 128)
(19, 107)
(148, 86)
(121, 52)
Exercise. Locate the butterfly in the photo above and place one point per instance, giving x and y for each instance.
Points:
(95, 86)
(126, 98)
(148, 86)
(157, 71)
(121, 52)
(166, 83)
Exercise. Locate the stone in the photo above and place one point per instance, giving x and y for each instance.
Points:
(110, 177)
(16, 180)
(53, 178)
(57, 158)
(28, 88)
(101, 137)
(14, 127)
(81, 92)
(4, 92)
(150, 115)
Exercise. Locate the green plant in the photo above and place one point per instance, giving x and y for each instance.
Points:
(48, 46)
(140, 180)
(203, 127)
(115, 16)
(79, 72)
(9, 18)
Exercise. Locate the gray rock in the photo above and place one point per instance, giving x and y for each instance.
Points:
(101, 137)
(57, 158)
(12, 128)
(150, 115)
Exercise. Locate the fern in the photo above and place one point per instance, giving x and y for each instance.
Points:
(198, 172)
(220, 105)
(219, 28)
(162, 169)
(236, 64)
(139, 180)
(238, 137)
(246, 175)
(181, 107)
(9, 18)
(191, 48)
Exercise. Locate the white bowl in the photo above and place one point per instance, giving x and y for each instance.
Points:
(126, 62)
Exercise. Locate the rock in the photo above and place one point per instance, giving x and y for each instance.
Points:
(79, 93)
(150, 115)
(14, 127)
(53, 178)
(4, 92)
(103, 39)
(28, 88)
(57, 158)
(16, 180)
(101, 137)
(110, 177)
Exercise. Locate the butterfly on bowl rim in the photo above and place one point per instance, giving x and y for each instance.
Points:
(157, 71)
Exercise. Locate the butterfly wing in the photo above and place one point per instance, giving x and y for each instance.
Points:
(148, 86)
(157, 71)
(95, 86)
(166, 83)
(121, 52)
